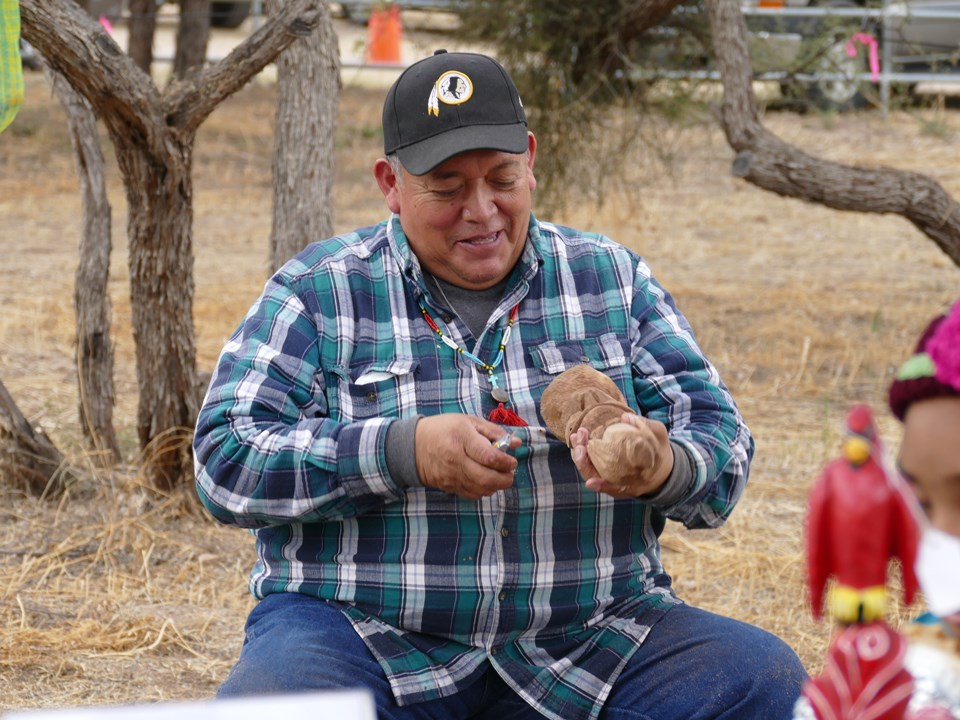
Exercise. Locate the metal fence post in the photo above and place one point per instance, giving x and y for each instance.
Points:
(885, 67)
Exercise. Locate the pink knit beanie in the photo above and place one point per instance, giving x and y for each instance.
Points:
(934, 368)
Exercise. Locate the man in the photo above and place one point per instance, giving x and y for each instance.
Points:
(352, 422)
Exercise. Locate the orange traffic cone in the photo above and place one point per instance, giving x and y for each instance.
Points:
(384, 33)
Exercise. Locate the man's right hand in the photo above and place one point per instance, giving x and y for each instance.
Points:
(455, 453)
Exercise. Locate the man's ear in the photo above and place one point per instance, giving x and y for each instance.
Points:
(389, 184)
(531, 157)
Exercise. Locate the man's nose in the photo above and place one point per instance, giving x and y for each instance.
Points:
(480, 204)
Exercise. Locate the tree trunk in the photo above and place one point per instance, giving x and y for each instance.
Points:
(28, 460)
(772, 164)
(303, 153)
(153, 134)
(94, 349)
(143, 25)
(160, 200)
(193, 32)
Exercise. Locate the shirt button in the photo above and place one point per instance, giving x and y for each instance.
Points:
(371, 396)
(493, 651)
(504, 532)
(584, 359)
(446, 318)
(502, 595)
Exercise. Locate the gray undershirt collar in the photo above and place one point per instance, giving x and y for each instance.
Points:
(473, 307)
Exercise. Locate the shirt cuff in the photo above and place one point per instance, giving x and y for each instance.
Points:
(678, 483)
(401, 453)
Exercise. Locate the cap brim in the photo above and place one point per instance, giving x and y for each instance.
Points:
(422, 157)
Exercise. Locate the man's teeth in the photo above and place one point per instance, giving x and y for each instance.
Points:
(482, 240)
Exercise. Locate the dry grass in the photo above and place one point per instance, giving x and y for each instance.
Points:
(117, 595)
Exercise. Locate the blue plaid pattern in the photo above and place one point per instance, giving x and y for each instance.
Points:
(554, 584)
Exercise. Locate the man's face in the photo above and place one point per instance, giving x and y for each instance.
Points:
(466, 219)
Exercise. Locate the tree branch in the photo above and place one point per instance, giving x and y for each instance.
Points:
(190, 102)
(78, 48)
(772, 164)
(27, 456)
(124, 96)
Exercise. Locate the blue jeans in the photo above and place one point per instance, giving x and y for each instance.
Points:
(694, 665)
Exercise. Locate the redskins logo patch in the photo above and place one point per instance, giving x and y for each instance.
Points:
(451, 88)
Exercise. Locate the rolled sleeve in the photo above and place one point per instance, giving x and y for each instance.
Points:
(676, 384)
(266, 453)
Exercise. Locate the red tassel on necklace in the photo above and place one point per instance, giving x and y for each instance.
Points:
(505, 416)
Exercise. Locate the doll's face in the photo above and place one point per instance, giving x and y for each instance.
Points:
(930, 459)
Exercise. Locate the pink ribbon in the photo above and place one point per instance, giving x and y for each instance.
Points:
(871, 43)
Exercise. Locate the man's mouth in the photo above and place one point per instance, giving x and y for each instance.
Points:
(480, 240)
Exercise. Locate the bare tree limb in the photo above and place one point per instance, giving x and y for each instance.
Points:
(189, 103)
(28, 458)
(308, 93)
(193, 37)
(124, 96)
(94, 354)
(77, 47)
(153, 135)
(142, 28)
(772, 164)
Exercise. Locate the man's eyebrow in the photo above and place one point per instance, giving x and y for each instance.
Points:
(511, 164)
(444, 175)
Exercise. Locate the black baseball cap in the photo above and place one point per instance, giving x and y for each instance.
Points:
(450, 103)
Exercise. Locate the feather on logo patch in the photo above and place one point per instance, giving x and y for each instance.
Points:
(451, 88)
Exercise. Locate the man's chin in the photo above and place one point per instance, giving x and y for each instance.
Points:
(479, 275)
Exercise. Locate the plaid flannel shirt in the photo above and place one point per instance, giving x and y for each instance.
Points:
(554, 584)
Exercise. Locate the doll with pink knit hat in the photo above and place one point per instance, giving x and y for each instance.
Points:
(874, 671)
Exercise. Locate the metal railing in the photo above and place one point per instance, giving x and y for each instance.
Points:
(887, 14)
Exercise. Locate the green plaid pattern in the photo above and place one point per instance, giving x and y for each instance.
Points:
(554, 584)
(11, 69)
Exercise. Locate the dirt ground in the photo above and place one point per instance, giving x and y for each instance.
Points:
(114, 596)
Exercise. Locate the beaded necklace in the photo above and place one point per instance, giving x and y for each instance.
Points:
(498, 393)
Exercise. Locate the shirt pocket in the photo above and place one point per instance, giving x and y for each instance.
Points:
(371, 390)
(606, 353)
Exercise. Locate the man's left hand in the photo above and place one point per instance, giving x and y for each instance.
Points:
(651, 457)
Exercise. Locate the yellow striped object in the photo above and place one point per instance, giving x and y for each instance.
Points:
(11, 68)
